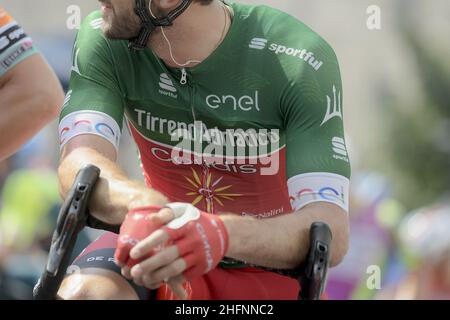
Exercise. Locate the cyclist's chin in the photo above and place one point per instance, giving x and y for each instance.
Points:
(112, 32)
(117, 29)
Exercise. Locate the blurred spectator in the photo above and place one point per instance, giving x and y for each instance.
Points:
(424, 237)
(29, 203)
(29, 206)
(373, 213)
(28, 197)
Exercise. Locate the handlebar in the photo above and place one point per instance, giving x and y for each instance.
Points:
(314, 279)
(74, 216)
(72, 219)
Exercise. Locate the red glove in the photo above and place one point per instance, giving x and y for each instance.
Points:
(201, 238)
(136, 227)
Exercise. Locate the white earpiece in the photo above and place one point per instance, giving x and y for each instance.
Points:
(169, 44)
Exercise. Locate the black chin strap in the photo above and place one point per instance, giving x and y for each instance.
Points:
(149, 24)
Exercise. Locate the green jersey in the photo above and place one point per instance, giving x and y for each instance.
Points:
(255, 129)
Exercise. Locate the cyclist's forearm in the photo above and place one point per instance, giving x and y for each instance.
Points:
(115, 194)
(283, 242)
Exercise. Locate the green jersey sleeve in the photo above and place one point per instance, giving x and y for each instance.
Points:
(317, 163)
(94, 103)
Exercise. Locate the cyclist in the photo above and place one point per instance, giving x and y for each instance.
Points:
(207, 75)
(30, 93)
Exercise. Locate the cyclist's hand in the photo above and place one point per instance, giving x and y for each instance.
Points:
(194, 241)
(149, 218)
(138, 224)
(177, 284)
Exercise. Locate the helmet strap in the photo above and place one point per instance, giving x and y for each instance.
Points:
(149, 24)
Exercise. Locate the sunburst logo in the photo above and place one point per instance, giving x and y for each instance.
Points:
(209, 190)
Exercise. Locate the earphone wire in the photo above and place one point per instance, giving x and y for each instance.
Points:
(182, 65)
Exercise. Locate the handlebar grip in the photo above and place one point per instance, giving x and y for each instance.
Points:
(71, 220)
(316, 270)
(90, 174)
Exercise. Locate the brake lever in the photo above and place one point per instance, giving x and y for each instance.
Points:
(71, 223)
(313, 281)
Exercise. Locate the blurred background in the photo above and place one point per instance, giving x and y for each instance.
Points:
(397, 117)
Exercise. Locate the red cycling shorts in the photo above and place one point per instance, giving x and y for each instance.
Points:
(218, 284)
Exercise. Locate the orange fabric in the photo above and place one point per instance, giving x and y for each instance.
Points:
(5, 18)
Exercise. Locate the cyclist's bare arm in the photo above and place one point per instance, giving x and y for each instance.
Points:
(30, 97)
(283, 242)
(113, 197)
(115, 194)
